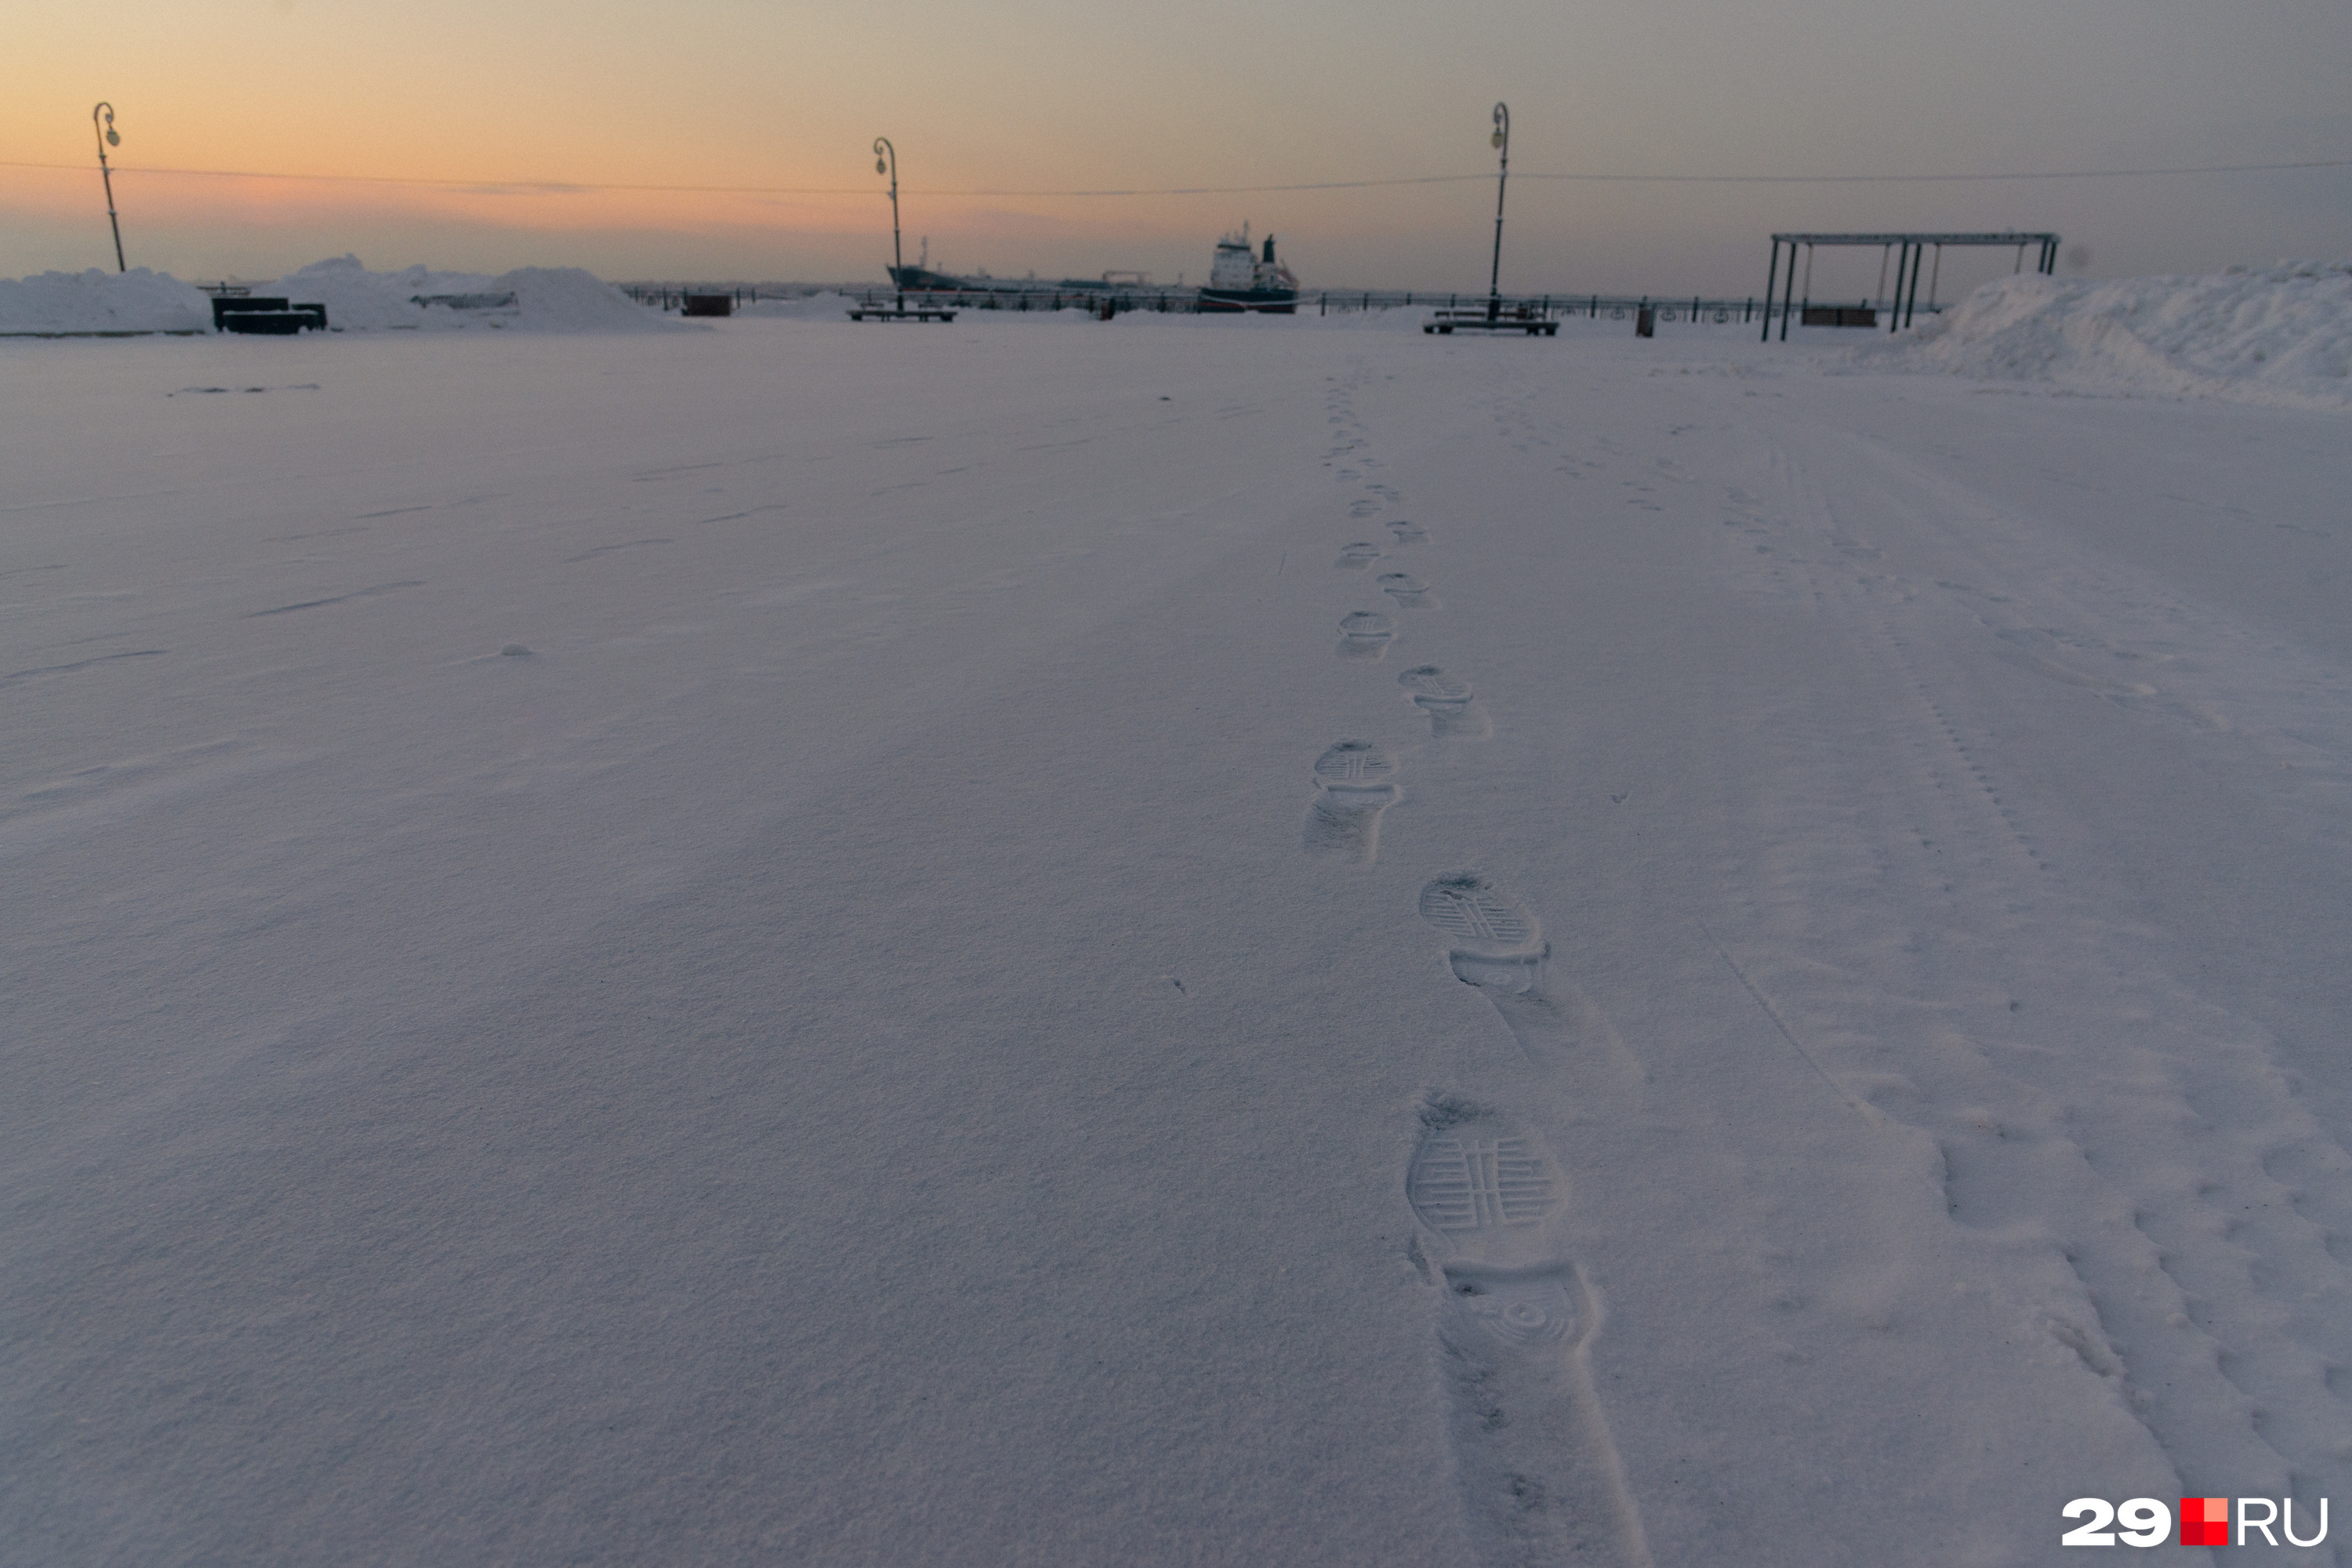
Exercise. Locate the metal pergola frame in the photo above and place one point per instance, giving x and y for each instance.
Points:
(1913, 248)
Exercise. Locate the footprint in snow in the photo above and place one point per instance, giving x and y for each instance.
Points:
(1408, 590)
(1498, 942)
(1357, 556)
(1486, 1187)
(1537, 1462)
(1409, 532)
(1351, 790)
(1454, 712)
(1364, 635)
(1362, 508)
(1498, 946)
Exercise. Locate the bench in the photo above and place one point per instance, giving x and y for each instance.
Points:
(1531, 320)
(900, 313)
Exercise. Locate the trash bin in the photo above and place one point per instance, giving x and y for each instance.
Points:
(709, 305)
(1645, 322)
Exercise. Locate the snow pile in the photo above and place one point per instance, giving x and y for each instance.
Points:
(829, 305)
(2281, 335)
(543, 299)
(96, 301)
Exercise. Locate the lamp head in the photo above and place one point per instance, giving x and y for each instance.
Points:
(1496, 140)
(113, 137)
(880, 167)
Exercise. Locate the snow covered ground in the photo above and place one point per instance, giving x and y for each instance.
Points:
(809, 942)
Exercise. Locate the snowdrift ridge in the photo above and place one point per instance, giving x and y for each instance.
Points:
(2279, 335)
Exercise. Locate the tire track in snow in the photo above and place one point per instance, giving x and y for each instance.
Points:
(2063, 618)
(2195, 1203)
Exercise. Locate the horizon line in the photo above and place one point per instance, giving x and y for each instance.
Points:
(567, 187)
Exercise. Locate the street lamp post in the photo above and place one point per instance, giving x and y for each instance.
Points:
(1501, 141)
(886, 161)
(109, 137)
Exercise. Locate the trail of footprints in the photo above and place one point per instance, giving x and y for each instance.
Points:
(1540, 1477)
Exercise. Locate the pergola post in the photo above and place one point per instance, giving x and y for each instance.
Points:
(1788, 291)
(1903, 304)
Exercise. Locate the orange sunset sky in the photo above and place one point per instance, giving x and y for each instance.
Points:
(490, 104)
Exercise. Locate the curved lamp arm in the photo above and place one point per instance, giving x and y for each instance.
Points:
(886, 161)
(109, 137)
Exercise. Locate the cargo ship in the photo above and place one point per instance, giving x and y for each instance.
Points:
(1242, 280)
(921, 277)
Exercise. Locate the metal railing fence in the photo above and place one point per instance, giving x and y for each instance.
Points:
(1106, 302)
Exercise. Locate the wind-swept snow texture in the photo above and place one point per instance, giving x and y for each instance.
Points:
(1173, 941)
(2279, 335)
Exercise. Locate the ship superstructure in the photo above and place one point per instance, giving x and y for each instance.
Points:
(1241, 280)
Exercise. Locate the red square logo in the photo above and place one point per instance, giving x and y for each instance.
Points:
(2204, 1521)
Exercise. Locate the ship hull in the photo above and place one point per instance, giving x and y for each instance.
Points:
(921, 279)
(1261, 301)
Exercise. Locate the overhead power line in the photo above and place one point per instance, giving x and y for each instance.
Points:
(573, 188)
